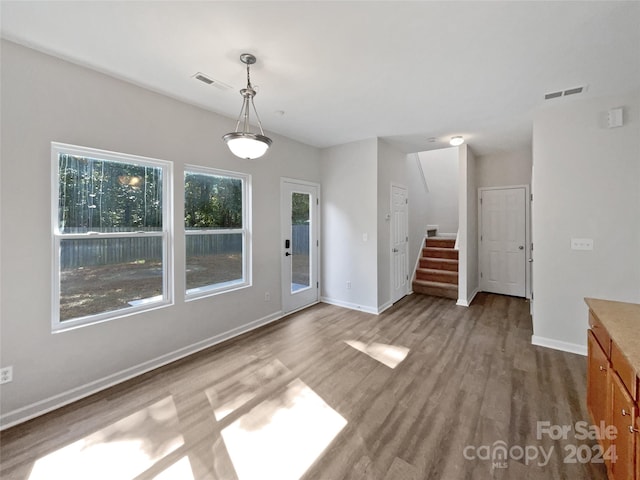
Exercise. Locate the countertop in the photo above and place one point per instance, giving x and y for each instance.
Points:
(622, 321)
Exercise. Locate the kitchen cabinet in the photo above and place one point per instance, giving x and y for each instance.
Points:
(613, 381)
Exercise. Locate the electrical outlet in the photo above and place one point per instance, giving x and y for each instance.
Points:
(349, 285)
(6, 375)
(267, 296)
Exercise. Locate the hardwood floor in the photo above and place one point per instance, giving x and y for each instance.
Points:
(426, 390)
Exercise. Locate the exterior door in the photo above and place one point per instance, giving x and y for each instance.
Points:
(503, 252)
(399, 242)
(299, 244)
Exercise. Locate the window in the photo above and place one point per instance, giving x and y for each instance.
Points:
(216, 219)
(111, 220)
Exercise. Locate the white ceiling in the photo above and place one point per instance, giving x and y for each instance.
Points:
(344, 71)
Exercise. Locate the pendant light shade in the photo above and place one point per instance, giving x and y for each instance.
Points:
(242, 142)
(247, 145)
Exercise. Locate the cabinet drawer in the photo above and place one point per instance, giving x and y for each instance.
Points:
(600, 333)
(621, 365)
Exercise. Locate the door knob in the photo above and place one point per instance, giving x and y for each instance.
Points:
(521, 247)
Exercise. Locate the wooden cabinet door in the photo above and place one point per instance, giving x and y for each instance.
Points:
(637, 435)
(623, 418)
(598, 387)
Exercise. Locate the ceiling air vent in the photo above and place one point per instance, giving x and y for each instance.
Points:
(210, 81)
(203, 78)
(573, 91)
(565, 93)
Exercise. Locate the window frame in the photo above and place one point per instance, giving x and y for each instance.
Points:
(58, 148)
(247, 259)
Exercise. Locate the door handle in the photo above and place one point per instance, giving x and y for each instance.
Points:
(531, 260)
(521, 247)
(395, 250)
(286, 254)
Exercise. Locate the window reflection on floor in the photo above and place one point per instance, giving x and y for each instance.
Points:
(181, 470)
(122, 450)
(389, 355)
(281, 437)
(260, 422)
(225, 397)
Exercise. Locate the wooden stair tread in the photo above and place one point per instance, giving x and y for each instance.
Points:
(439, 252)
(444, 261)
(436, 270)
(429, 283)
(442, 242)
(436, 289)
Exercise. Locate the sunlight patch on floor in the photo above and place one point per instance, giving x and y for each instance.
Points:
(389, 355)
(124, 449)
(234, 392)
(181, 470)
(282, 436)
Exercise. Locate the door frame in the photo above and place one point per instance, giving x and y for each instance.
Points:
(527, 234)
(391, 262)
(317, 232)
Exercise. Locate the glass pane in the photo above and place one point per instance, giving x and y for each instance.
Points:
(300, 259)
(212, 201)
(107, 274)
(107, 196)
(213, 261)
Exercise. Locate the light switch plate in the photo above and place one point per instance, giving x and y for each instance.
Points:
(582, 244)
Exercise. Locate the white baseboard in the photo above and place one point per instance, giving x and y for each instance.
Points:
(465, 303)
(351, 306)
(41, 407)
(385, 306)
(559, 345)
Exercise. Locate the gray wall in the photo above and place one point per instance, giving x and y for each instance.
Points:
(45, 99)
(441, 172)
(349, 212)
(504, 169)
(586, 184)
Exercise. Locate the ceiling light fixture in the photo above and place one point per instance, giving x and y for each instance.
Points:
(243, 143)
(456, 141)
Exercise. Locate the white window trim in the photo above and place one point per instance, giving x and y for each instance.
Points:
(217, 289)
(167, 228)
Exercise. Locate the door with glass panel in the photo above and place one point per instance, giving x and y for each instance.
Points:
(299, 244)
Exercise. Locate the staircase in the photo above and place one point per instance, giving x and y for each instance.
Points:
(437, 272)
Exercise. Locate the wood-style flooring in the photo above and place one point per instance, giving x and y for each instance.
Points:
(426, 390)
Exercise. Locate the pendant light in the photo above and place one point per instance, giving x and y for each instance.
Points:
(242, 142)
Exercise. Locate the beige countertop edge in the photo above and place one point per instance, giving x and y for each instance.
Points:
(622, 321)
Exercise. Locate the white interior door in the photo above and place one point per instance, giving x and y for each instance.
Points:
(299, 247)
(399, 242)
(503, 241)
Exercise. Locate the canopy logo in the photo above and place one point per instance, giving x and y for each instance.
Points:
(499, 453)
